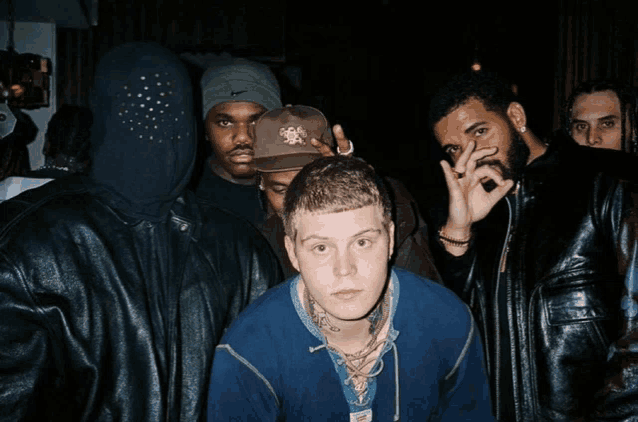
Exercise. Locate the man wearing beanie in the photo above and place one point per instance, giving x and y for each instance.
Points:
(235, 93)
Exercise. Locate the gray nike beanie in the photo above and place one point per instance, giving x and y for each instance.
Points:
(241, 80)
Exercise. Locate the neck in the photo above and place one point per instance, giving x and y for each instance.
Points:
(536, 146)
(350, 336)
(219, 170)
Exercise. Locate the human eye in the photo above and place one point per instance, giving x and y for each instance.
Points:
(579, 127)
(279, 190)
(608, 124)
(451, 149)
(480, 132)
(320, 249)
(224, 122)
(364, 243)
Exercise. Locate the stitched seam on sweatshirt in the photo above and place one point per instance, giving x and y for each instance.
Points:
(470, 337)
(241, 359)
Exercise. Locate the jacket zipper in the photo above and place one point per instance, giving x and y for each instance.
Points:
(509, 236)
(503, 259)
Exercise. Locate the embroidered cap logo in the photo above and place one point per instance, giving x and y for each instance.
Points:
(293, 135)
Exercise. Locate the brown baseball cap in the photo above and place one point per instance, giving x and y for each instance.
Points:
(282, 138)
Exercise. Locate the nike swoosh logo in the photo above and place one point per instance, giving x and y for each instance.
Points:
(236, 93)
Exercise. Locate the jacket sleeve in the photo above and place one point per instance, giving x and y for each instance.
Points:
(465, 392)
(256, 264)
(265, 268)
(456, 271)
(618, 399)
(238, 391)
(24, 351)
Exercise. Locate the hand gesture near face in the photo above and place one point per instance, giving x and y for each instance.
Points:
(469, 201)
(343, 144)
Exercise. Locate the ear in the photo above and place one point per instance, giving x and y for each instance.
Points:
(290, 248)
(517, 116)
(391, 234)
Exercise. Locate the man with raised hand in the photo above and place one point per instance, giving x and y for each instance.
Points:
(350, 337)
(538, 240)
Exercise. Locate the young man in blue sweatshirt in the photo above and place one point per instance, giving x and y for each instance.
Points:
(348, 338)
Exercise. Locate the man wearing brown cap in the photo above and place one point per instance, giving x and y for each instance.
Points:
(235, 93)
(283, 148)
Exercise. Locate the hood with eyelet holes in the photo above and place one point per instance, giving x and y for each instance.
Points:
(144, 133)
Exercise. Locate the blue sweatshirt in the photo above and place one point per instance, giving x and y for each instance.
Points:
(272, 365)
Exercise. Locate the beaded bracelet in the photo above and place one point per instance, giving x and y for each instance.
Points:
(454, 242)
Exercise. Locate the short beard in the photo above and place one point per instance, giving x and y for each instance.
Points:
(516, 161)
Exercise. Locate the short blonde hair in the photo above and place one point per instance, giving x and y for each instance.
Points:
(334, 184)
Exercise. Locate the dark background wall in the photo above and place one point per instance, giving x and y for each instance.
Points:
(373, 67)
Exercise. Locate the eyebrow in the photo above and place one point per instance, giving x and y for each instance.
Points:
(327, 238)
(474, 126)
(608, 117)
(253, 117)
(223, 116)
(277, 184)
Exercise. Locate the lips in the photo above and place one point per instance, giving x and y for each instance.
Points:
(346, 294)
(242, 156)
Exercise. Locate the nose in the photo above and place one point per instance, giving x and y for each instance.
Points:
(244, 135)
(593, 137)
(344, 264)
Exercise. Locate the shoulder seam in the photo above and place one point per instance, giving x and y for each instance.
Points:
(245, 362)
(466, 347)
(34, 205)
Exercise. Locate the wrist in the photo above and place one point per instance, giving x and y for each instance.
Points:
(455, 242)
(460, 234)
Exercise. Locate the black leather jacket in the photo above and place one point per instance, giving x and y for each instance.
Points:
(102, 320)
(545, 279)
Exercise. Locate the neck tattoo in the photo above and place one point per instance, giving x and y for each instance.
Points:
(320, 318)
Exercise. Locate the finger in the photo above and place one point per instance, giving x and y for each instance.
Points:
(489, 172)
(323, 149)
(479, 154)
(450, 177)
(459, 166)
(342, 142)
(499, 192)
